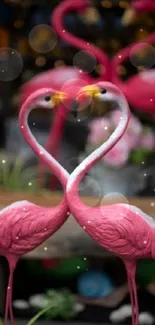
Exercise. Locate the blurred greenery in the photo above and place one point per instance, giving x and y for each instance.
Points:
(145, 271)
(13, 175)
(60, 303)
(65, 268)
(63, 304)
(139, 155)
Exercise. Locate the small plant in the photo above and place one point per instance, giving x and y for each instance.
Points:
(63, 304)
(13, 175)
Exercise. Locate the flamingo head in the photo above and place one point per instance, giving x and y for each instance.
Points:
(103, 91)
(47, 98)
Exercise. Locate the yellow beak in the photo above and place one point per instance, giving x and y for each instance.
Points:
(128, 17)
(58, 98)
(91, 91)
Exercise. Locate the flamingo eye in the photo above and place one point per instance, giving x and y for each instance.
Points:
(103, 91)
(47, 98)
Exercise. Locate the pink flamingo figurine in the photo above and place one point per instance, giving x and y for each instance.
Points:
(122, 229)
(58, 78)
(24, 225)
(140, 6)
(143, 5)
(138, 89)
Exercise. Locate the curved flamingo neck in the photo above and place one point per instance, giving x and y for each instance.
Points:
(58, 24)
(58, 170)
(94, 157)
(123, 56)
(54, 142)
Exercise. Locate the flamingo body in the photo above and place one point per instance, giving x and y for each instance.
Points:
(144, 82)
(24, 226)
(139, 91)
(122, 229)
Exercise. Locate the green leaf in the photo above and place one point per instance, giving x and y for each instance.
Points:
(33, 319)
(64, 304)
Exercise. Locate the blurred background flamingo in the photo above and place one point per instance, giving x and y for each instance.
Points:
(67, 79)
(143, 5)
(138, 89)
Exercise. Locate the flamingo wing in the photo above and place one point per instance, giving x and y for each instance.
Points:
(119, 229)
(10, 217)
(129, 232)
(24, 226)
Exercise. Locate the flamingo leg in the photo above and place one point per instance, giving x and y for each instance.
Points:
(8, 300)
(136, 301)
(131, 272)
(131, 299)
(8, 307)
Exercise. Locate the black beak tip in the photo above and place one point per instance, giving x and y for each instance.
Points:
(75, 106)
(75, 114)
